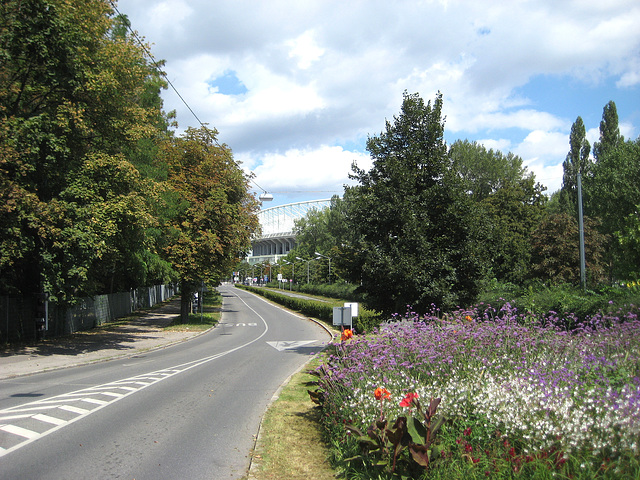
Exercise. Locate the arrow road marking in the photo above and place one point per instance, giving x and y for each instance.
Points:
(281, 345)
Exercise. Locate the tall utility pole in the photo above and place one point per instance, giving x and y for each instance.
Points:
(583, 275)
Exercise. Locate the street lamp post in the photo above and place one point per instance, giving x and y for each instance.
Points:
(293, 272)
(303, 260)
(328, 258)
(280, 275)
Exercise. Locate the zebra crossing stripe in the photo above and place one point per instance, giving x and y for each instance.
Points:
(95, 401)
(49, 419)
(23, 432)
(72, 409)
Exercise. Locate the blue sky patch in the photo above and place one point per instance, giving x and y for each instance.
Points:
(570, 98)
(228, 84)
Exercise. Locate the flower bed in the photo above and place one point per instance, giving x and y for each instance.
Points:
(512, 391)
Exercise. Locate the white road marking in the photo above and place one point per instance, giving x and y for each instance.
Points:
(282, 345)
(23, 432)
(72, 409)
(65, 401)
(49, 419)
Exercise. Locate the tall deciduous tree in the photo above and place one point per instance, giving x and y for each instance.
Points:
(614, 197)
(71, 92)
(609, 131)
(483, 171)
(507, 206)
(555, 258)
(412, 239)
(214, 213)
(312, 233)
(613, 193)
(509, 216)
(577, 161)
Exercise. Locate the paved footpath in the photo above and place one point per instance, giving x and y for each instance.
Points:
(143, 333)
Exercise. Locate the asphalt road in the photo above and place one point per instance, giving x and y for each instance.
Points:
(190, 411)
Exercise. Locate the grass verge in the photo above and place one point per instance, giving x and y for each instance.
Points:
(291, 444)
(201, 321)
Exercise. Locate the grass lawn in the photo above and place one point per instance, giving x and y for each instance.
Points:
(291, 444)
(201, 321)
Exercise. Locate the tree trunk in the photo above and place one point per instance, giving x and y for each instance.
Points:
(185, 306)
(186, 298)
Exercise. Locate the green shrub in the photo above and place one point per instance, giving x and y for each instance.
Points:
(568, 302)
(312, 308)
(366, 321)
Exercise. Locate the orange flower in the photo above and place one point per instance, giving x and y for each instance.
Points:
(381, 393)
(468, 318)
(408, 399)
(346, 334)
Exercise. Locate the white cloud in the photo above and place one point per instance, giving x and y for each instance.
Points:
(543, 144)
(501, 144)
(548, 175)
(542, 153)
(305, 50)
(322, 169)
(167, 17)
(329, 72)
(524, 119)
(593, 135)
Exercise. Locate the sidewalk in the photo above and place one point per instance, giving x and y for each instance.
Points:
(144, 333)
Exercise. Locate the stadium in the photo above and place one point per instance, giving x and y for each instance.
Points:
(278, 238)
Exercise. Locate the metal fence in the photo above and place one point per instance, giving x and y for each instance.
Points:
(19, 316)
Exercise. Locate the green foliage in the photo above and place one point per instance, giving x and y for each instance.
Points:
(384, 443)
(510, 215)
(73, 98)
(508, 205)
(343, 291)
(609, 132)
(366, 320)
(312, 308)
(613, 195)
(555, 256)
(568, 302)
(577, 161)
(411, 238)
(214, 216)
(484, 172)
(312, 233)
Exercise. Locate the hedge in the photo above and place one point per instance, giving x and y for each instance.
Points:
(366, 320)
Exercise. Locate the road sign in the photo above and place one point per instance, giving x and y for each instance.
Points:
(342, 317)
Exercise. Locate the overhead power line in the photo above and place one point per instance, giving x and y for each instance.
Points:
(158, 67)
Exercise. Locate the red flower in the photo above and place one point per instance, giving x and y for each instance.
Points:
(346, 334)
(381, 393)
(406, 401)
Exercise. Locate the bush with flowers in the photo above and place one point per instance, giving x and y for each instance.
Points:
(516, 397)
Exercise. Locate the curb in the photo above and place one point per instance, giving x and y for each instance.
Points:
(253, 465)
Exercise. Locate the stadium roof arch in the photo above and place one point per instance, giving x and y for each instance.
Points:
(278, 238)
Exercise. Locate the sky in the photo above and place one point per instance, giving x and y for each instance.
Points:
(295, 87)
